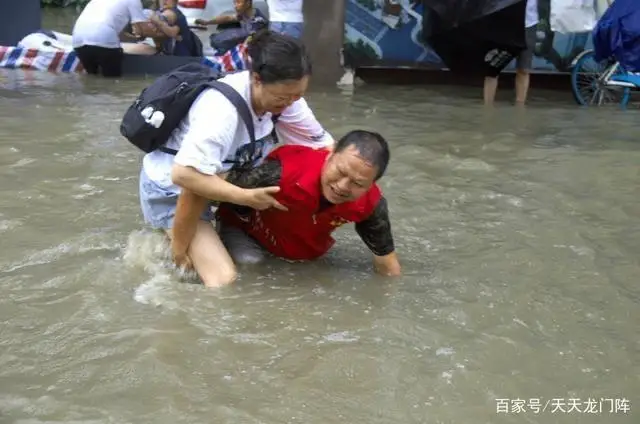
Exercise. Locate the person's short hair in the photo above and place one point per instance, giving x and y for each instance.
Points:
(371, 146)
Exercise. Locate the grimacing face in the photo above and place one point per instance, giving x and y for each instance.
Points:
(346, 176)
(276, 97)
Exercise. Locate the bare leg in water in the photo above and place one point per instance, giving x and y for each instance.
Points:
(490, 88)
(522, 86)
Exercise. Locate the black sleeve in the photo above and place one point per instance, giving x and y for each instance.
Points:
(266, 174)
(375, 231)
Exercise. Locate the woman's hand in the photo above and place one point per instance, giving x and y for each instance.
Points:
(181, 258)
(262, 198)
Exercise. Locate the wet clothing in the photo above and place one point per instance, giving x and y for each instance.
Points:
(304, 232)
(101, 60)
(212, 138)
(96, 34)
(102, 21)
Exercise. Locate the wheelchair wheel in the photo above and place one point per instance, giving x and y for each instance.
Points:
(588, 85)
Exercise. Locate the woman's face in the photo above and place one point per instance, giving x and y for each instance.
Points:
(276, 97)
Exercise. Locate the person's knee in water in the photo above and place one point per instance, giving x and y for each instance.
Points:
(243, 249)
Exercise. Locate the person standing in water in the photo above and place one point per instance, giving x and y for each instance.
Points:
(524, 61)
(96, 34)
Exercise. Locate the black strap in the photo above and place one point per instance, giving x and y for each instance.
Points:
(236, 100)
(240, 104)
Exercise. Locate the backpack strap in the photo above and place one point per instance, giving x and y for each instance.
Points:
(274, 134)
(240, 104)
(236, 100)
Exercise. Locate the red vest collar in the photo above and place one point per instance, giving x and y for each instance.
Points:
(309, 181)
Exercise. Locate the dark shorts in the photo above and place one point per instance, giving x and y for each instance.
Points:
(525, 60)
(96, 59)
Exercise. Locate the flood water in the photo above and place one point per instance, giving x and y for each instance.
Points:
(517, 230)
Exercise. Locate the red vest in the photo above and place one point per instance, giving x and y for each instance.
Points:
(301, 233)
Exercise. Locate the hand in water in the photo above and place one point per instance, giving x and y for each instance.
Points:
(182, 260)
(262, 198)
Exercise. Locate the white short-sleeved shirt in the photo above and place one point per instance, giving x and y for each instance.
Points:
(213, 135)
(102, 21)
(531, 16)
(285, 10)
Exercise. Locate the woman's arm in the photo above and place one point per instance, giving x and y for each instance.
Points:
(298, 125)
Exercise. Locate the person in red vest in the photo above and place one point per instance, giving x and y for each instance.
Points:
(322, 191)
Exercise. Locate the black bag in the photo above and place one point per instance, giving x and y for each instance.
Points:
(196, 47)
(150, 120)
(226, 40)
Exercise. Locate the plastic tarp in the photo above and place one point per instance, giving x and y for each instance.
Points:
(572, 16)
(617, 34)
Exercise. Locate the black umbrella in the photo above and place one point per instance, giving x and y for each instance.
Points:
(477, 37)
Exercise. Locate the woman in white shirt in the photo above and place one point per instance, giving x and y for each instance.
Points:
(212, 138)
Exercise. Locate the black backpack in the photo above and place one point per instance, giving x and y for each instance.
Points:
(160, 107)
(196, 47)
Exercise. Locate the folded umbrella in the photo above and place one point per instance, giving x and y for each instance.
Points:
(477, 37)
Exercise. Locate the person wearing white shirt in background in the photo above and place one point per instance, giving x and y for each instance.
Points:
(285, 17)
(176, 191)
(96, 34)
(524, 61)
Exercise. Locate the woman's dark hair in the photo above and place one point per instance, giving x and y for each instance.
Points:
(278, 57)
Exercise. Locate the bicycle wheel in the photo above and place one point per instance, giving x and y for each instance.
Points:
(588, 85)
